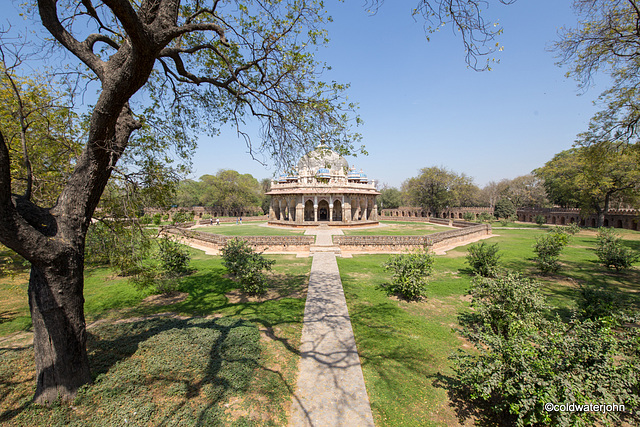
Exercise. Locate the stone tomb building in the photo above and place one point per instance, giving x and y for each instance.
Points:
(324, 190)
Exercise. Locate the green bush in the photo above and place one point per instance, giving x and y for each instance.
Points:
(174, 257)
(611, 252)
(483, 258)
(548, 249)
(469, 216)
(598, 303)
(540, 220)
(246, 266)
(572, 228)
(157, 218)
(522, 360)
(485, 217)
(182, 216)
(409, 273)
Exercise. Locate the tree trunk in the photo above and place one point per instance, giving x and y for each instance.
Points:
(57, 312)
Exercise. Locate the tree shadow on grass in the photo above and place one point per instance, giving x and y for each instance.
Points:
(466, 408)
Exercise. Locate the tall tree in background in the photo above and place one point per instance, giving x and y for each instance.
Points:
(591, 178)
(194, 64)
(437, 188)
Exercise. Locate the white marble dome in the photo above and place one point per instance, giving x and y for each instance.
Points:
(322, 157)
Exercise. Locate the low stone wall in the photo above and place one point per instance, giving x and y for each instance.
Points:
(259, 243)
(398, 243)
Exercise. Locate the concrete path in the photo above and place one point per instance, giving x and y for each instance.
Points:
(330, 390)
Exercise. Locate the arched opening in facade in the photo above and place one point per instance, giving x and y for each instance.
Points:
(308, 211)
(323, 210)
(562, 220)
(606, 223)
(337, 210)
(619, 224)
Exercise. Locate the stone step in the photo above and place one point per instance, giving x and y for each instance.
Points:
(324, 248)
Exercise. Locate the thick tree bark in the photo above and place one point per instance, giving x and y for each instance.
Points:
(57, 312)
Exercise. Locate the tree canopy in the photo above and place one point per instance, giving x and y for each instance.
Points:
(437, 188)
(592, 178)
(607, 39)
(228, 189)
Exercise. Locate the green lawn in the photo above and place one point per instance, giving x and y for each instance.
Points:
(404, 346)
(397, 228)
(252, 229)
(231, 360)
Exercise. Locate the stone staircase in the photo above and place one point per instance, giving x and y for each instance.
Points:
(324, 241)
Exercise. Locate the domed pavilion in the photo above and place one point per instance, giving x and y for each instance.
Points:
(324, 190)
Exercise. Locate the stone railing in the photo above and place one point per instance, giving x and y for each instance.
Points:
(216, 241)
(397, 243)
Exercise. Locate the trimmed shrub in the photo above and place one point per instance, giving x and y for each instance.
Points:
(469, 216)
(611, 252)
(409, 273)
(483, 258)
(540, 220)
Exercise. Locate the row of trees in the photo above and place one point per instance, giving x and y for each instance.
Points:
(228, 189)
(436, 188)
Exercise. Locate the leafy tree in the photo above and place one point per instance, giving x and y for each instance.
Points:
(259, 62)
(606, 39)
(504, 209)
(389, 198)
(437, 188)
(591, 177)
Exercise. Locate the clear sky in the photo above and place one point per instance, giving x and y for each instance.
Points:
(422, 106)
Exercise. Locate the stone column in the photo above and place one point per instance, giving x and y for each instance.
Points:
(366, 207)
(374, 214)
(272, 213)
(346, 210)
(330, 208)
(300, 210)
(280, 208)
(315, 208)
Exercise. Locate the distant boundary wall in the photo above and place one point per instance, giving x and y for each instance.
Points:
(621, 218)
(408, 213)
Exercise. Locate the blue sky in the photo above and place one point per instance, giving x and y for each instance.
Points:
(422, 106)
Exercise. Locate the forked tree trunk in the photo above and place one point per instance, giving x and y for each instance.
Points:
(57, 312)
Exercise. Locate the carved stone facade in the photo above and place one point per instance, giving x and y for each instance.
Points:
(324, 190)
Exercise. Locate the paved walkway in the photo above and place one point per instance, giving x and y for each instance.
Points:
(330, 389)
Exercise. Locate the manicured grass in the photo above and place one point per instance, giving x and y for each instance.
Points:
(398, 228)
(231, 361)
(404, 347)
(253, 229)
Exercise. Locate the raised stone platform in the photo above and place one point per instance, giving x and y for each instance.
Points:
(332, 224)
